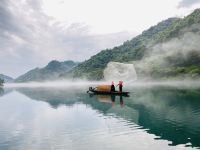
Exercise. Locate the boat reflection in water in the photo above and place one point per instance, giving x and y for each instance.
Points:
(109, 99)
(116, 107)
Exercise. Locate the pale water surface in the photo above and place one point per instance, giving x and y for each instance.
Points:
(69, 118)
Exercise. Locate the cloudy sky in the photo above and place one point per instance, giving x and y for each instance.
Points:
(34, 32)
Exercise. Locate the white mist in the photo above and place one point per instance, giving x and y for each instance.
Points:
(116, 71)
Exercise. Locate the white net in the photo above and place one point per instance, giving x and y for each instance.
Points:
(116, 71)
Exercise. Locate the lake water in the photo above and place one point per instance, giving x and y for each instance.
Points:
(70, 119)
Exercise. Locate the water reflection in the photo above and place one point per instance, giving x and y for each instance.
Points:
(1, 91)
(170, 114)
(4, 91)
(55, 97)
(109, 99)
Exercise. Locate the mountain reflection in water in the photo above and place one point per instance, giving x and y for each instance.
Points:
(168, 113)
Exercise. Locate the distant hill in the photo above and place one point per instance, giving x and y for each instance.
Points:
(141, 46)
(6, 78)
(49, 72)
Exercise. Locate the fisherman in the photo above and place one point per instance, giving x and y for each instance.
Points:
(112, 87)
(120, 85)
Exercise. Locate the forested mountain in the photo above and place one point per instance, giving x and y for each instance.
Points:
(6, 78)
(49, 72)
(143, 45)
(177, 50)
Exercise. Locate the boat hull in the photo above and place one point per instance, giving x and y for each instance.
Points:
(109, 92)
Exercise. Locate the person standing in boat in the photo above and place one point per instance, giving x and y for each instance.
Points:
(112, 87)
(120, 85)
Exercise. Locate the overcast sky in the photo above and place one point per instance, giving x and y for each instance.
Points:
(34, 32)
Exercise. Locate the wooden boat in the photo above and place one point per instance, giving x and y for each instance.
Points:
(95, 91)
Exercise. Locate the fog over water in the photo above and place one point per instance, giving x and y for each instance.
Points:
(127, 84)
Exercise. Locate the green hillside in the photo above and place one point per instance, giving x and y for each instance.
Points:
(184, 62)
(50, 72)
(135, 49)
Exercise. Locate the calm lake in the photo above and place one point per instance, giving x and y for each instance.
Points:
(71, 119)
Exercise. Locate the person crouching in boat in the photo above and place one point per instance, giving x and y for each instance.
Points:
(120, 85)
(112, 87)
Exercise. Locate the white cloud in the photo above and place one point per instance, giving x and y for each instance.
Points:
(107, 16)
(188, 3)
